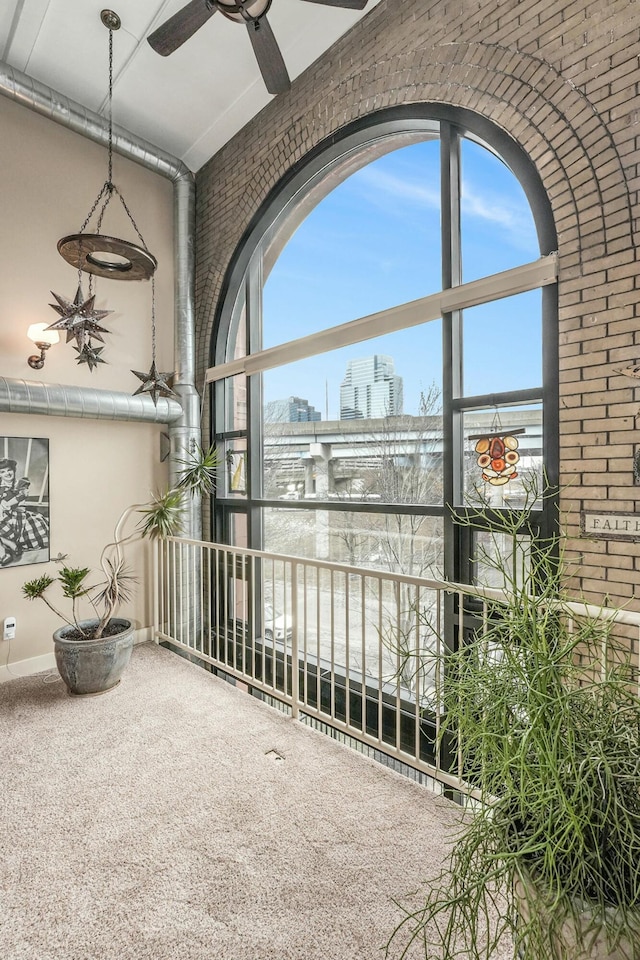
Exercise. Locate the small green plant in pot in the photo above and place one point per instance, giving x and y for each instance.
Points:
(92, 652)
(542, 702)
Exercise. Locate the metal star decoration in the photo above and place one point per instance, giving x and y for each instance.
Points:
(84, 332)
(154, 383)
(90, 355)
(81, 321)
(76, 312)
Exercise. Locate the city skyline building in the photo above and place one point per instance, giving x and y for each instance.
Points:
(291, 410)
(371, 389)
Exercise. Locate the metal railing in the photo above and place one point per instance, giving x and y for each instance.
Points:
(357, 649)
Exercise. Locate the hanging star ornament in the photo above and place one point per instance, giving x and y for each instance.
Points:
(83, 334)
(154, 383)
(90, 355)
(81, 321)
(77, 312)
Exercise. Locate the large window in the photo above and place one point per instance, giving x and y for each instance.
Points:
(392, 310)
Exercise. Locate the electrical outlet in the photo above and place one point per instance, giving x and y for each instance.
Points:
(9, 632)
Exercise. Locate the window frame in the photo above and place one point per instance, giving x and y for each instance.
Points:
(304, 185)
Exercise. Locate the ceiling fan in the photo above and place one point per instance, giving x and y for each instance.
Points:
(253, 13)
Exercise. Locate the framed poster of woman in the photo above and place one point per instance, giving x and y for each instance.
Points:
(24, 501)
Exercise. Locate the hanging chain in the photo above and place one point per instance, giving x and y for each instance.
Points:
(153, 320)
(129, 214)
(93, 208)
(109, 191)
(110, 168)
(108, 187)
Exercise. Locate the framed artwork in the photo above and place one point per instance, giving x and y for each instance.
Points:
(237, 471)
(24, 501)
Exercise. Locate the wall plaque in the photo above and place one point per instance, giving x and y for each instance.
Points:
(610, 526)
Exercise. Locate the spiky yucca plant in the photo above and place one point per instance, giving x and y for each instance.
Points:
(161, 517)
(542, 702)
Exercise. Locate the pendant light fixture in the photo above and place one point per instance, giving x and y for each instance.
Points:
(95, 253)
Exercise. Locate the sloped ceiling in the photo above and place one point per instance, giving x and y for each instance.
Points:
(189, 103)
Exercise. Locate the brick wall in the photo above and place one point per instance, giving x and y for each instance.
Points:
(562, 79)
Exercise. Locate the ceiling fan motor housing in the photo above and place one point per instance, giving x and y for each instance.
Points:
(242, 11)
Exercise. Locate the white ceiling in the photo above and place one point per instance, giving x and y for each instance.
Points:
(189, 103)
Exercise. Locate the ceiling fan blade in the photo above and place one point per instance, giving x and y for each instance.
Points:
(346, 4)
(267, 51)
(180, 27)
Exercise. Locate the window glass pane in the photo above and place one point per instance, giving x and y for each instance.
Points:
(358, 626)
(235, 475)
(502, 457)
(372, 243)
(500, 560)
(498, 230)
(364, 624)
(231, 399)
(237, 529)
(394, 543)
(290, 531)
(503, 345)
(326, 381)
(237, 341)
(383, 441)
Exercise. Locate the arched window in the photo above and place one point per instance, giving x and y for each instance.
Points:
(391, 314)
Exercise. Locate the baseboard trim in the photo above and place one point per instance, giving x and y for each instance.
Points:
(47, 661)
(143, 635)
(25, 668)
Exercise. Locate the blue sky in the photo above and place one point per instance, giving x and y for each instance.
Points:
(373, 243)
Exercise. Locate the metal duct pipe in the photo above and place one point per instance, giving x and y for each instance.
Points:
(185, 433)
(60, 400)
(184, 430)
(49, 103)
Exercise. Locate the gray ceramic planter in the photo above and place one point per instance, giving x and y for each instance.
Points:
(93, 666)
(582, 935)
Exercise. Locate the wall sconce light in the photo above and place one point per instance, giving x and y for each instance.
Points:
(43, 339)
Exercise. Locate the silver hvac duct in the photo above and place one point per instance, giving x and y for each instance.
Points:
(184, 429)
(185, 433)
(29, 396)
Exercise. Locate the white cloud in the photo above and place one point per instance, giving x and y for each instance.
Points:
(485, 205)
(509, 212)
(394, 187)
(489, 208)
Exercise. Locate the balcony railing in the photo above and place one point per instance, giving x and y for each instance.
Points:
(357, 649)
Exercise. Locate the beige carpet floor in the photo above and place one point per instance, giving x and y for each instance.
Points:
(157, 821)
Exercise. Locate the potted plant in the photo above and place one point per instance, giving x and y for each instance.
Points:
(541, 700)
(92, 653)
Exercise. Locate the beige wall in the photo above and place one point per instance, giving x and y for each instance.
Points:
(49, 178)
(560, 78)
